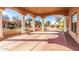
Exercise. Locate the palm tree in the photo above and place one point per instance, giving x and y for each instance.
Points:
(29, 21)
(47, 23)
(37, 23)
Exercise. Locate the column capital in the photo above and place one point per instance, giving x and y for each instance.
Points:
(42, 17)
(33, 16)
(22, 15)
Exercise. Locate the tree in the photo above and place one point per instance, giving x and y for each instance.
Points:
(58, 19)
(29, 21)
(47, 23)
(6, 17)
(37, 23)
(5, 20)
(14, 18)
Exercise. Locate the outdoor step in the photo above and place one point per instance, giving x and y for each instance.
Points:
(44, 33)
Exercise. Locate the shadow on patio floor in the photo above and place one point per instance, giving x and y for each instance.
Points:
(60, 40)
(71, 42)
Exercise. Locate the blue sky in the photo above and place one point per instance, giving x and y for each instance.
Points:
(52, 19)
(12, 13)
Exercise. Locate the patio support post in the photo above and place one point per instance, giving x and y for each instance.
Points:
(65, 24)
(42, 24)
(33, 24)
(23, 25)
(1, 29)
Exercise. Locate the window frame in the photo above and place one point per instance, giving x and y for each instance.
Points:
(72, 23)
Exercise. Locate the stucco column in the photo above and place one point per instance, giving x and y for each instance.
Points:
(1, 30)
(77, 34)
(22, 24)
(65, 24)
(42, 24)
(33, 24)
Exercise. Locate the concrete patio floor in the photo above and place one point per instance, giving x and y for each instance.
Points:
(54, 41)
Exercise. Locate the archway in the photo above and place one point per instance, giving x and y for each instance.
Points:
(38, 24)
(11, 22)
(28, 23)
(54, 23)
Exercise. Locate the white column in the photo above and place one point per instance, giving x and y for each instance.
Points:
(65, 25)
(33, 24)
(42, 24)
(1, 30)
(23, 24)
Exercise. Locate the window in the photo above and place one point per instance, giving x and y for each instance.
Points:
(74, 23)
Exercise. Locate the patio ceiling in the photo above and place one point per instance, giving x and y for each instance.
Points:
(42, 11)
(47, 10)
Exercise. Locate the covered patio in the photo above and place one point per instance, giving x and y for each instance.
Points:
(41, 40)
(36, 42)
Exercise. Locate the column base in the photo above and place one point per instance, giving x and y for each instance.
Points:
(2, 38)
(23, 33)
(42, 29)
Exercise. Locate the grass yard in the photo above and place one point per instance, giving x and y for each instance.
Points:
(11, 32)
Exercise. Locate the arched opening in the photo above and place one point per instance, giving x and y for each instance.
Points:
(54, 23)
(51, 23)
(11, 22)
(38, 23)
(28, 23)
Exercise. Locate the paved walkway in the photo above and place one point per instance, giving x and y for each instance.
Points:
(54, 41)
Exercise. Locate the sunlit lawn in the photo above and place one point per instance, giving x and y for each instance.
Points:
(17, 31)
(11, 32)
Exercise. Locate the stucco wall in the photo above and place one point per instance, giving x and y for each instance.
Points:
(74, 35)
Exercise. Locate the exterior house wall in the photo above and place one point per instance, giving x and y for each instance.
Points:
(72, 11)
